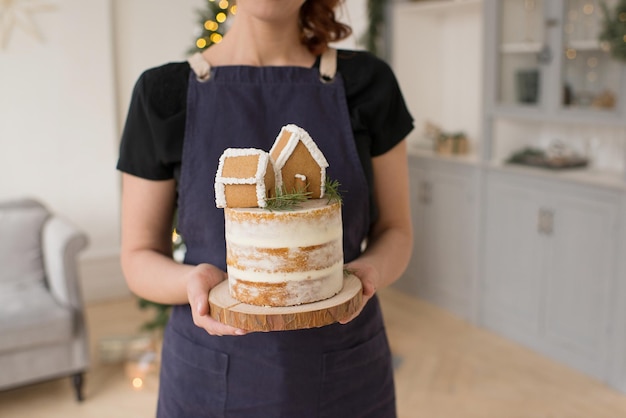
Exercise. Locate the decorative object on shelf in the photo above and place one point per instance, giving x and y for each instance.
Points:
(445, 142)
(19, 14)
(557, 156)
(213, 21)
(613, 31)
(605, 100)
(527, 85)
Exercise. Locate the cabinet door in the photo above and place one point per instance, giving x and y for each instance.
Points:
(583, 265)
(513, 263)
(449, 248)
(409, 282)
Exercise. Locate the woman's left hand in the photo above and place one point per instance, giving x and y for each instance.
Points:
(369, 277)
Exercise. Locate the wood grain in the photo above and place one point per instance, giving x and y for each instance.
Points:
(230, 311)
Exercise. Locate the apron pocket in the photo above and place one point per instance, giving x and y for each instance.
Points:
(358, 382)
(193, 379)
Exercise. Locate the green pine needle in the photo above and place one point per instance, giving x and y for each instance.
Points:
(332, 191)
(286, 201)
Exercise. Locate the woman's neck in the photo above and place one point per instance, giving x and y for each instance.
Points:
(255, 42)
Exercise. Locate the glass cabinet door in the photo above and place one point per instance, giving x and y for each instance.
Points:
(521, 43)
(591, 77)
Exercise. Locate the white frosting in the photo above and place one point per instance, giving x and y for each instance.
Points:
(302, 249)
(273, 232)
(282, 277)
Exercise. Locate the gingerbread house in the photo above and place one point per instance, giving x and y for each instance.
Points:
(301, 164)
(245, 178)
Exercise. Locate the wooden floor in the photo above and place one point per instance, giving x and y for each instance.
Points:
(445, 369)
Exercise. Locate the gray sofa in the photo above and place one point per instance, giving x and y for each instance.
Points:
(42, 325)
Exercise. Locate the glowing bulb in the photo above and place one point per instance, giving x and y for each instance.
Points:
(201, 43)
(216, 38)
(223, 4)
(592, 62)
(588, 9)
(137, 383)
(570, 53)
(233, 9)
(210, 25)
(220, 17)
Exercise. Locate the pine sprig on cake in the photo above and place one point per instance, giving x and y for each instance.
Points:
(286, 201)
(331, 191)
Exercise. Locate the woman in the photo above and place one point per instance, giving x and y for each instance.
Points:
(273, 67)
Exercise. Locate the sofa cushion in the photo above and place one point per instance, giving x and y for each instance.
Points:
(21, 258)
(31, 317)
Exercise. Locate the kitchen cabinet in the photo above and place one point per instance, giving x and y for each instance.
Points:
(551, 265)
(537, 256)
(442, 268)
(551, 84)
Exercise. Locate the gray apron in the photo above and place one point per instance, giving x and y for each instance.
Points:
(336, 371)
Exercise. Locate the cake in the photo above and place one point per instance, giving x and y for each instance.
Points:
(280, 257)
(285, 258)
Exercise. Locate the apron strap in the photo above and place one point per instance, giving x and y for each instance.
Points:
(328, 65)
(200, 66)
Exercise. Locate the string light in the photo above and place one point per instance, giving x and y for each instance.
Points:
(570, 53)
(211, 25)
(137, 382)
(213, 29)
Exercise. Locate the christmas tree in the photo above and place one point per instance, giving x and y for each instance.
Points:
(213, 22)
(614, 29)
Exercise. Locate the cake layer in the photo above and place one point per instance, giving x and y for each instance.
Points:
(314, 223)
(288, 293)
(285, 258)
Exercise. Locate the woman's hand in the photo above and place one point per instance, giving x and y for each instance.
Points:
(200, 281)
(369, 277)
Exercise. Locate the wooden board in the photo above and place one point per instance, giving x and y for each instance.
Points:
(230, 311)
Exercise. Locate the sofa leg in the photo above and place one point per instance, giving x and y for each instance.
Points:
(78, 380)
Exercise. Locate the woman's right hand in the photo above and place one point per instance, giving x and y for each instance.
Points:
(200, 280)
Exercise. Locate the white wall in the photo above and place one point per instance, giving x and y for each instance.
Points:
(63, 103)
(56, 106)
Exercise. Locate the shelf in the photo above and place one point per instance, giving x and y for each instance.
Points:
(465, 159)
(584, 45)
(521, 47)
(590, 116)
(588, 176)
(438, 6)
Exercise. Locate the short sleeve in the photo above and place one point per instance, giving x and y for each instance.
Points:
(376, 102)
(152, 139)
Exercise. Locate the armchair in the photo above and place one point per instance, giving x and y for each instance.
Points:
(42, 326)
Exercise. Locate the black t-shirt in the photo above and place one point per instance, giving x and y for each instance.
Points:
(152, 141)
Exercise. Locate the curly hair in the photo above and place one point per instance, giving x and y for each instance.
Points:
(319, 25)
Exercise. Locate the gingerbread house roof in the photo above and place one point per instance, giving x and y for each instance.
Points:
(242, 166)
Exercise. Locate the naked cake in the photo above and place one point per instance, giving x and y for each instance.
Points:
(278, 257)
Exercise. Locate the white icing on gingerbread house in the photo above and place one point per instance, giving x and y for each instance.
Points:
(245, 178)
(299, 161)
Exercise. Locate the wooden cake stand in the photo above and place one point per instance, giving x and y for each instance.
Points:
(230, 311)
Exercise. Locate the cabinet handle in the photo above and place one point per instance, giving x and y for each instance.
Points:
(426, 188)
(545, 221)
